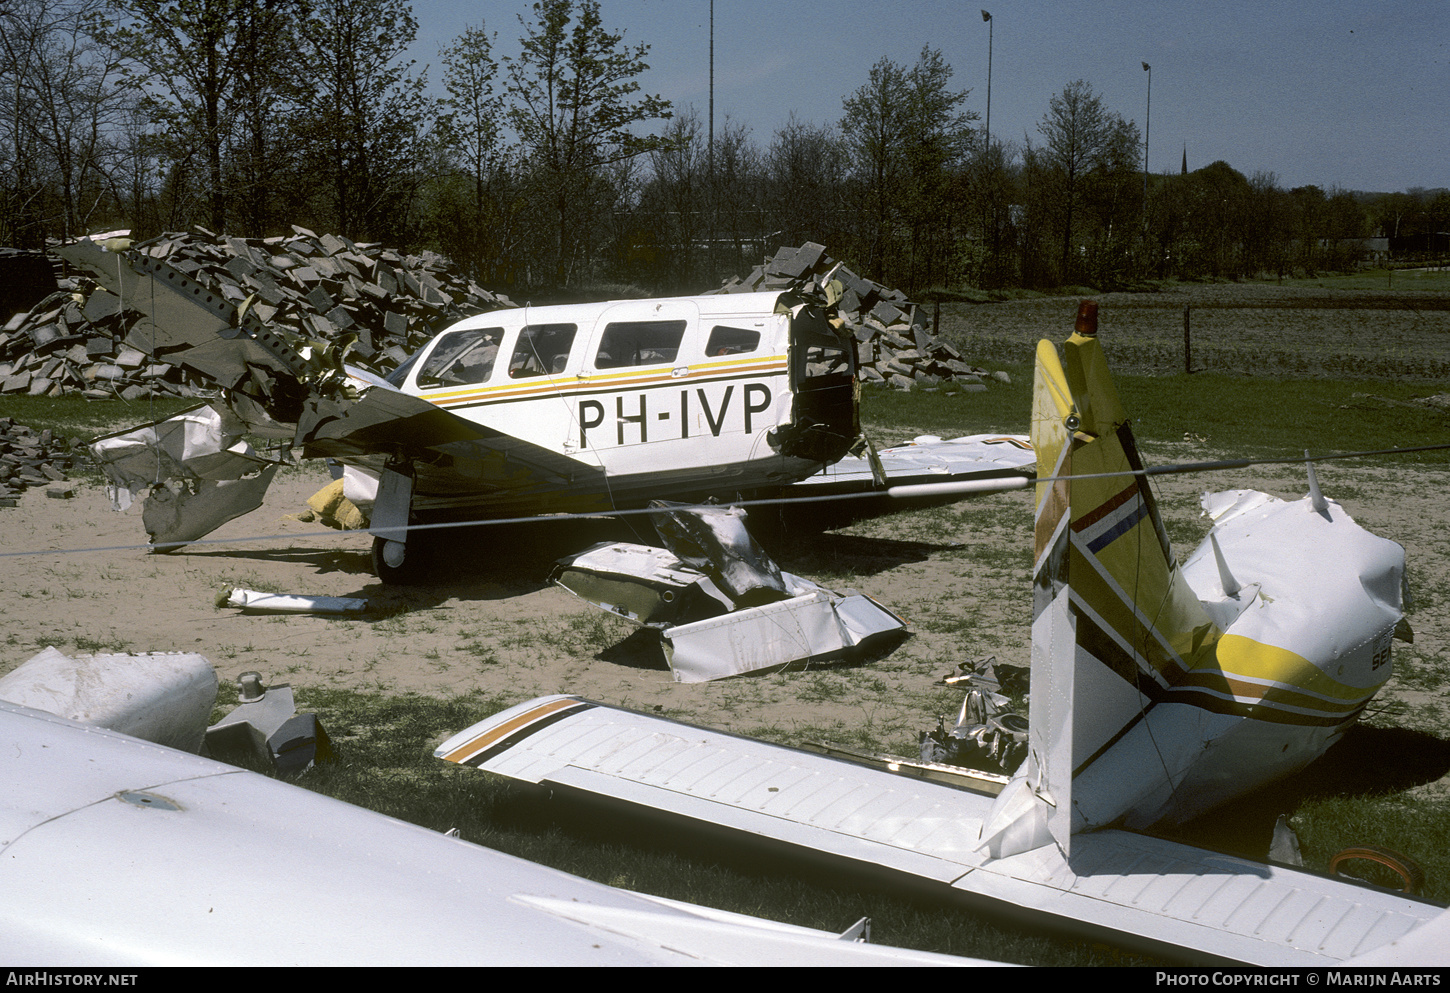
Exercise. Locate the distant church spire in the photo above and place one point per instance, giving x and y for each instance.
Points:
(1185, 158)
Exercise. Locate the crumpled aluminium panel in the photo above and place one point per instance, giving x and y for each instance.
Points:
(217, 474)
(703, 637)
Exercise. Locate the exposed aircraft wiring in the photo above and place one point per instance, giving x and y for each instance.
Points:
(1014, 482)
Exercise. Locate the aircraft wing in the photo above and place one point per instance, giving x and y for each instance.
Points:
(928, 461)
(1135, 889)
(385, 421)
(186, 324)
(234, 846)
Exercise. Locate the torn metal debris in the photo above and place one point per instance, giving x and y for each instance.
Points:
(195, 469)
(266, 727)
(254, 602)
(721, 606)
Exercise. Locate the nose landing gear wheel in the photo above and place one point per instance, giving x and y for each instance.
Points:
(397, 564)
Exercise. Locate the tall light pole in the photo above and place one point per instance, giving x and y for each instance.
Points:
(710, 183)
(988, 18)
(1147, 130)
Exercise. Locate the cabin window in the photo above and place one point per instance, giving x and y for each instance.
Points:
(631, 343)
(731, 341)
(542, 350)
(461, 358)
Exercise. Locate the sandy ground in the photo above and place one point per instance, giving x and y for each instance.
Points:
(491, 625)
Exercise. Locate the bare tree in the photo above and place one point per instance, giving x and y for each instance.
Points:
(1081, 135)
(575, 110)
(675, 200)
(183, 55)
(805, 169)
(59, 107)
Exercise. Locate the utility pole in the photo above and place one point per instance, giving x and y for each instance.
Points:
(1147, 130)
(988, 18)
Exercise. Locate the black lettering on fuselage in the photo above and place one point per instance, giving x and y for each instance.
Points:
(760, 390)
(632, 419)
(633, 408)
(591, 415)
(716, 421)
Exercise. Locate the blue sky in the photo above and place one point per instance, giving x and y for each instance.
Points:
(1337, 93)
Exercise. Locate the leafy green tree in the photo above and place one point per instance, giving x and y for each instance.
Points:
(906, 138)
(471, 130)
(936, 141)
(261, 163)
(871, 130)
(577, 109)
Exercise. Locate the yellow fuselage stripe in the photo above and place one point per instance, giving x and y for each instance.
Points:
(552, 386)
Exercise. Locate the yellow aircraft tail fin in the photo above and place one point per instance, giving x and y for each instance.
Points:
(1113, 621)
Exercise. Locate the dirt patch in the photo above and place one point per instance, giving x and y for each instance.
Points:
(492, 625)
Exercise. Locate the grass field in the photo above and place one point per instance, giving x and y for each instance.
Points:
(1256, 329)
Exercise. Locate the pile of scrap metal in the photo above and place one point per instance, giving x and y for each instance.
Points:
(721, 606)
(167, 698)
(987, 734)
(33, 458)
(325, 288)
(894, 347)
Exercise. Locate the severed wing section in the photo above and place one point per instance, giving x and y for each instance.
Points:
(188, 325)
(1130, 888)
(928, 471)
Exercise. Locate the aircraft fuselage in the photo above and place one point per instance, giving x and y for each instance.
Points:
(666, 396)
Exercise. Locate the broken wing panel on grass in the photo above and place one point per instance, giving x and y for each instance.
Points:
(1135, 890)
(817, 625)
(707, 634)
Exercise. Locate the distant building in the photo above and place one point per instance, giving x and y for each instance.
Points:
(1431, 243)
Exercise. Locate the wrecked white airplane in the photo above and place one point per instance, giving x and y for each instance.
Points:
(581, 408)
(1157, 693)
(186, 861)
